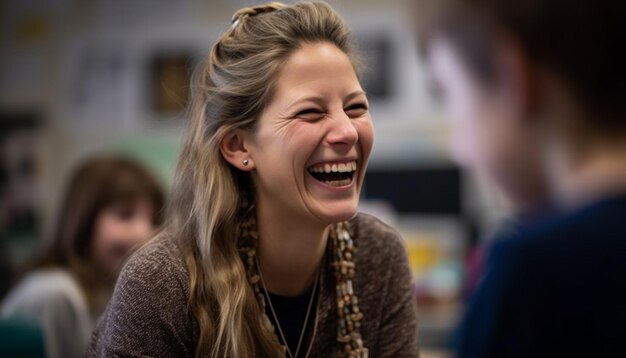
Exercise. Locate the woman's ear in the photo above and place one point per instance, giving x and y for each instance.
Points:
(234, 150)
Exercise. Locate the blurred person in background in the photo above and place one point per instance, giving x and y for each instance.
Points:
(537, 93)
(263, 253)
(111, 206)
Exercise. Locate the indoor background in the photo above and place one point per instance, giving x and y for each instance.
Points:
(85, 77)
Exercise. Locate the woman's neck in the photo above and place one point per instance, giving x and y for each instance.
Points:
(290, 251)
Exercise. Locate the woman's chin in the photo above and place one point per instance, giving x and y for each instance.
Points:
(337, 213)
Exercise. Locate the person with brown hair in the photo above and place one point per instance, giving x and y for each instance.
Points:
(263, 253)
(537, 93)
(111, 205)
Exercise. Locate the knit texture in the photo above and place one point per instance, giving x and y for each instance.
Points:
(149, 313)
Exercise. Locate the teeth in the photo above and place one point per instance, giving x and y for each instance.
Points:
(334, 168)
(338, 182)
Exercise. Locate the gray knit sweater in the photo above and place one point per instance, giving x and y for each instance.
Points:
(149, 316)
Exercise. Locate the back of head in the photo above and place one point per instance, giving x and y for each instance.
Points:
(580, 42)
(230, 91)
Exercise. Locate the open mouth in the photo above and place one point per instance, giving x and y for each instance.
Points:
(334, 174)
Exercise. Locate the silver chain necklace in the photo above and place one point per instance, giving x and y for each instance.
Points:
(306, 318)
(342, 247)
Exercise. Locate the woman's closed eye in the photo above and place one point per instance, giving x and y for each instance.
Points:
(356, 110)
(314, 114)
(311, 114)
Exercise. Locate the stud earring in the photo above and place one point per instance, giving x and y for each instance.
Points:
(246, 162)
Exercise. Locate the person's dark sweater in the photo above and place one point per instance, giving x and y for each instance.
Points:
(555, 290)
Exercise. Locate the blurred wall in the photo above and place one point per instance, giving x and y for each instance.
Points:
(101, 75)
(84, 66)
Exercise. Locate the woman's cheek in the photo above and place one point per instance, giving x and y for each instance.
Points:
(365, 129)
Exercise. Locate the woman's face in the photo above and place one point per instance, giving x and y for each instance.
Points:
(118, 229)
(313, 140)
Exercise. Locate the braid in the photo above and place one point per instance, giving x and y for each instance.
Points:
(247, 12)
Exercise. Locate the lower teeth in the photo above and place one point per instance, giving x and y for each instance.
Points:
(343, 182)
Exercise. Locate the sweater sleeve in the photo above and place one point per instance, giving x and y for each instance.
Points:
(148, 315)
(397, 336)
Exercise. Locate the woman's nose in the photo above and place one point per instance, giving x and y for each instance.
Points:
(342, 132)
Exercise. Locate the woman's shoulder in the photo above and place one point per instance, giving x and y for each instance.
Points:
(158, 262)
(151, 301)
(383, 284)
(154, 278)
(373, 237)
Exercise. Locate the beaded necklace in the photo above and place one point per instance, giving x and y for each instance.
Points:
(349, 315)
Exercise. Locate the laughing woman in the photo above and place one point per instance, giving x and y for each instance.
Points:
(264, 254)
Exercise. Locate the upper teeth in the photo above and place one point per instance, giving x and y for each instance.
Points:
(334, 167)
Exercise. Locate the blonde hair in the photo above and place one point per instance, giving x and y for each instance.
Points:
(230, 91)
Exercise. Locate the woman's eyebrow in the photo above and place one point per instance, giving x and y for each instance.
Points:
(314, 99)
(354, 95)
